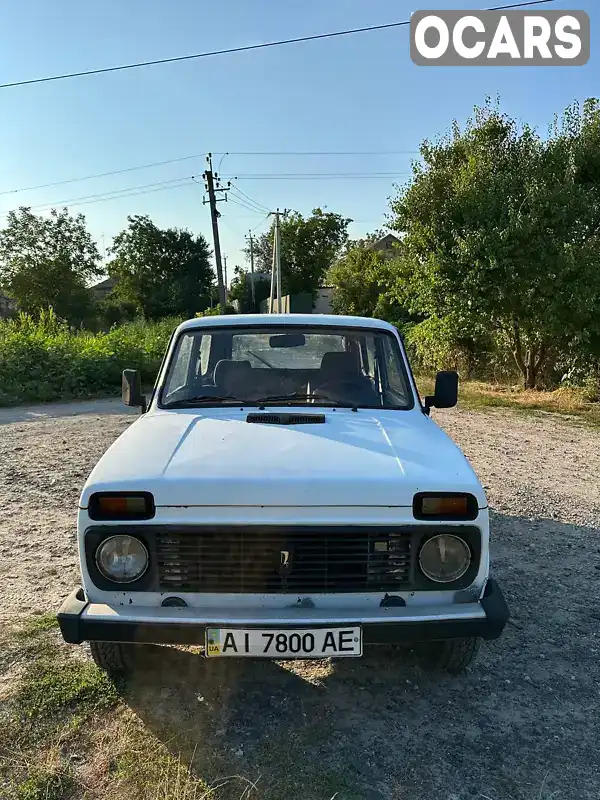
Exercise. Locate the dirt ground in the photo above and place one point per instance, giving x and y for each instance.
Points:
(522, 725)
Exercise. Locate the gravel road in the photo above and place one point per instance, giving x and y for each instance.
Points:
(522, 725)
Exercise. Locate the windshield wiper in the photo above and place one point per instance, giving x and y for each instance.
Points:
(202, 399)
(297, 396)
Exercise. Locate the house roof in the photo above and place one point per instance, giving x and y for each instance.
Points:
(107, 283)
(389, 238)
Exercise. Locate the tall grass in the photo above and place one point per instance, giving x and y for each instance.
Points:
(43, 359)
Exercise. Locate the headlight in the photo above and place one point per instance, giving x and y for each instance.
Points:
(445, 558)
(122, 558)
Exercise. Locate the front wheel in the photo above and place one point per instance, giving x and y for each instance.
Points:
(115, 658)
(454, 655)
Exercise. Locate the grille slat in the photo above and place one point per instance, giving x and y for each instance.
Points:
(249, 560)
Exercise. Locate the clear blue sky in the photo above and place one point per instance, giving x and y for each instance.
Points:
(356, 93)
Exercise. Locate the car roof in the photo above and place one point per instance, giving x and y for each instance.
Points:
(262, 320)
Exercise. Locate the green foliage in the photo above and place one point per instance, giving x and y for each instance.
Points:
(217, 311)
(51, 687)
(55, 699)
(241, 290)
(113, 311)
(503, 228)
(363, 281)
(451, 342)
(44, 784)
(161, 271)
(40, 623)
(48, 262)
(308, 247)
(43, 359)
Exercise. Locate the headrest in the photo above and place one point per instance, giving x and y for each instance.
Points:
(228, 373)
(339, 366)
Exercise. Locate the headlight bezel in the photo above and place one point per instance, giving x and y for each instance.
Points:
(459, 575)
(98, 552)
(95, 535)
(471, 534)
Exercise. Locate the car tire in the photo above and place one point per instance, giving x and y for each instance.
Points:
(455, 655)
(115, 658)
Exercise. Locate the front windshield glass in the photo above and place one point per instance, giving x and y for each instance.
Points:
(287, 365)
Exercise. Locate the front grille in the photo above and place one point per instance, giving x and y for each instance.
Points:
(296, 560)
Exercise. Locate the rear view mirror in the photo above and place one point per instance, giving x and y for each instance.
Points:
(445, 393)
(131, 389)
(288, 340)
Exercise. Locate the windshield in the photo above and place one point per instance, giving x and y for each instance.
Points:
(295, 365)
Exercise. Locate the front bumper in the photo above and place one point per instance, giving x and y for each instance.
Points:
(81, 621)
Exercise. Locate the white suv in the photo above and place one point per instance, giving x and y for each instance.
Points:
(284, 494)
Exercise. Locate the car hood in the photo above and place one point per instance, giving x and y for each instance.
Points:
(216, 458)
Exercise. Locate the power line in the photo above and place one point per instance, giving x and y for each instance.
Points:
(229, 50)
(317, 176)
(132, 191)
(135, 194)
(244, 205)
(249, 204)
(102, 174)
(202, 155)
(324, 153)
(261, 223)
(254, 202)
(244, 200)
(115, 193)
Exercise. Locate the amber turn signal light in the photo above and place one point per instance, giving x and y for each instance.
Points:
(121, 505)
(444, 506)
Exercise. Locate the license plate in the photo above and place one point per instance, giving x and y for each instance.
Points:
(283, 644)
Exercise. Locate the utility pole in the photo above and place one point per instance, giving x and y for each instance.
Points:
(225, 270)
(250, 239)
(278, 260)
(212, 190)
(276, 268)
(272, 295)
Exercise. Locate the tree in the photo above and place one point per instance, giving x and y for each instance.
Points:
(502, 233)
(48, 262)
(241, 290)
(361, 279)
(163, 271)
(308, 247)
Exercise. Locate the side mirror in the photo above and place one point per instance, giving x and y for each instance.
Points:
(445, 393)
(131, 389)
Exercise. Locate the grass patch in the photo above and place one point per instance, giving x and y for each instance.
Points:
(46, 785)
(55, 693)
(66, 734)
(54, 685)
(40, 623)
(52, 688)
(481, 395)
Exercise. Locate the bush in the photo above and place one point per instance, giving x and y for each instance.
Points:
(217, 311)
(44, 359)
(446, 343)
